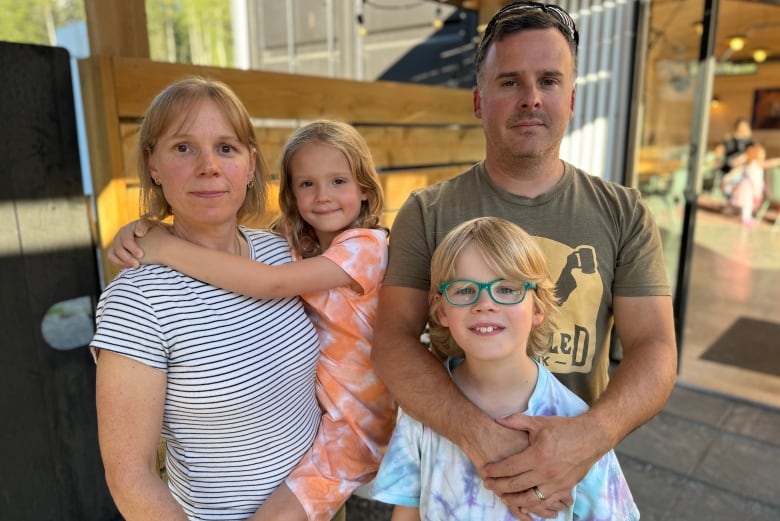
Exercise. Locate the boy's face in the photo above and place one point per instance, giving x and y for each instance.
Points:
(486, 330)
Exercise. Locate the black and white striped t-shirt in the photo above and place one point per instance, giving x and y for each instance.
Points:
(240, 408)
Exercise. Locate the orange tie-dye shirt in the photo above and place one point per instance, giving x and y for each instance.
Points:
(358, 410)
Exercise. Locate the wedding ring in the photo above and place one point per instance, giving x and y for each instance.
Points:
(539, 494)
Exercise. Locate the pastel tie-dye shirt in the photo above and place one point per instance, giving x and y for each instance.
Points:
(358, 411)
(423, 469)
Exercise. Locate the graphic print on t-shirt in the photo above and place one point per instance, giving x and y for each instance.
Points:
(579, 290)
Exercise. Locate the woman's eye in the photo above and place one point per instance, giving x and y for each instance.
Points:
(225, 149)
(181, 148)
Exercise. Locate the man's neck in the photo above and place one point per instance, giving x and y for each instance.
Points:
(526, 177)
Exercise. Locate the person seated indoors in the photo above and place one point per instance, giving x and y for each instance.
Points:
(744, 185)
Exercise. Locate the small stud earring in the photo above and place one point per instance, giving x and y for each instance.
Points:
(156, 181)
(250, 184)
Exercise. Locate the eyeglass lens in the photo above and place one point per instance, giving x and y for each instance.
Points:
(467, 292)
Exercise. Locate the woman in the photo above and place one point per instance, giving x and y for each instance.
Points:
(226, 380)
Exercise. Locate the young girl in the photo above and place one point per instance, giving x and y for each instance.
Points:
(745, 184)
(330, 200)
(491, 300)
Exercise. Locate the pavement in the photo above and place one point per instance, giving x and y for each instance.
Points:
(705, 456)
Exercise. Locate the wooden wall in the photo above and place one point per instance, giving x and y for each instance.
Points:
(418, 134)
(669, 110)
(736, 95)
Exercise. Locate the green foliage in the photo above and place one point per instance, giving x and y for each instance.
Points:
(35, 21)
(185, 31)
(190, 31)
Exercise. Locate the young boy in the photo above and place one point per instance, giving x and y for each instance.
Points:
(491, 301)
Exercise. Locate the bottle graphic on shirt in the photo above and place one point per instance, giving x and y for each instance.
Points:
(581, 259)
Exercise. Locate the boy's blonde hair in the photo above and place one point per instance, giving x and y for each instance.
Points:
(173, 105)
(348, 140)
(513, 255)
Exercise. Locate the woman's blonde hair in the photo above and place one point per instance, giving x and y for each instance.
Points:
(348, 140)
(510, 252)
(174, 105)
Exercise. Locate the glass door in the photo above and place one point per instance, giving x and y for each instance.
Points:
(707, 64)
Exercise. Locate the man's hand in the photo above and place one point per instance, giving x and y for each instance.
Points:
(492, 448)
(562, 450)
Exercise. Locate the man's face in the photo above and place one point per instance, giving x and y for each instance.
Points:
(525, 94)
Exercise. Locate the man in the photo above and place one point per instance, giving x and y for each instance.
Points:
(601, 244)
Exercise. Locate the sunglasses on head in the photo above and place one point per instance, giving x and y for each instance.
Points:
(553, 10)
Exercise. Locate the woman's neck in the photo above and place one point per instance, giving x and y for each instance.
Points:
(224, 238)
(498, 387)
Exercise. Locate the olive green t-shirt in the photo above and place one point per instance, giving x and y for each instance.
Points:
(599, 239)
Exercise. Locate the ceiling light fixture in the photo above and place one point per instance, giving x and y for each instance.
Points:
(759, 55)
(737, 43)
(361, 25)
(438, 23)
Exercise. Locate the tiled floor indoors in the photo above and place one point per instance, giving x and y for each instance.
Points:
(735, 273)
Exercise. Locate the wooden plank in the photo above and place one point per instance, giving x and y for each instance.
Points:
(391, 147)
(107, 159)
(400, 147)
(299, 97)
(117, 28)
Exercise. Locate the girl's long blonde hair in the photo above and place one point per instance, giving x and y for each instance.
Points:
(510, 252)
(344, 137)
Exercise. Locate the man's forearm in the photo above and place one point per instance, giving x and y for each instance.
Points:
(644, 379)
(637, 391)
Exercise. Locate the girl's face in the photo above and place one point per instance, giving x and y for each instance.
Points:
(325, 189)
(203, 168)
(486, 330)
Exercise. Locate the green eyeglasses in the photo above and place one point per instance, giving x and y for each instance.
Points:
(464, 292)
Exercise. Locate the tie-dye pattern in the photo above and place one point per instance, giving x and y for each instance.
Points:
(358, 411)
(425, 470)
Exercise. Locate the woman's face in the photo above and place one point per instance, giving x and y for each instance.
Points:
(202, 167)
